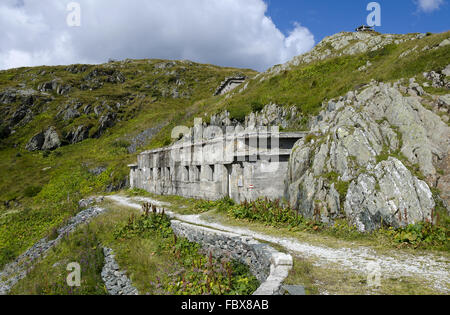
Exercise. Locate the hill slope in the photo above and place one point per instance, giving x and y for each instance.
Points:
(69, 131)
(85, 123)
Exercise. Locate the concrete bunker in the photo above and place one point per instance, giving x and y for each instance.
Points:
(244, 166)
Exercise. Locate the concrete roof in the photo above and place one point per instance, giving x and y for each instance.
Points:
(282, 135)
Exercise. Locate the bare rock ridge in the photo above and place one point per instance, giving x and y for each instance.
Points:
(48, 140)
(344, 44)
(354, 162)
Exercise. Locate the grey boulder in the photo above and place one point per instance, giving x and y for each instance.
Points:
(390, 195)
(48, 140)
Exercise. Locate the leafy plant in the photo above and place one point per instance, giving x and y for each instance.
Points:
(196, 272)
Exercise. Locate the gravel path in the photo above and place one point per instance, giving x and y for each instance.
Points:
(432, 268)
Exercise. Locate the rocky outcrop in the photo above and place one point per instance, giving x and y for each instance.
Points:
(353, 163)
(273, 115)
(21, 115)
(389, 195)
(78, 134)
(77, 68)
(35, 143)
(98, 77)
(341, 44)
(48, 140)
(51, 140)
(439, 79)
(56, 86)
(143, 138)
(269, 115)
(105, 122)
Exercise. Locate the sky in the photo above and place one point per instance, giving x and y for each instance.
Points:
(253, 34)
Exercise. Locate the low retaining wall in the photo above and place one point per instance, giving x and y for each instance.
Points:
(18, 269)
(268, 265)
(116, 281)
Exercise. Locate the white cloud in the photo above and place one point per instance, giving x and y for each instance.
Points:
(429, 5)
(224, 32)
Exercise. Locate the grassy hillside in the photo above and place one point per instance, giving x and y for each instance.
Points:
(40, 190)
(307, 85)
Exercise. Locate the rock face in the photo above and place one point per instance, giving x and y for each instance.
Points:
(143, 138)
(52, 140)
(36, 143)
(48, 140)
(270, 115)
(98, 77)
(399, 199)
(56, 86)
(353, 162)
(106, 121)
(79, 134)
(438, 79)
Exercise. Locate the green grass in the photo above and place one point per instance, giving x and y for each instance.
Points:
(322, 278)
(308, 85)
(44, 187)
(155, 260)
(331, 279)
(49, 276)
(274, 213)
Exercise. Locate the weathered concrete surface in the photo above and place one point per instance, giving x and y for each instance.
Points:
(243, 166)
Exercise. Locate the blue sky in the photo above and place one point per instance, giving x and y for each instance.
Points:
(328, 17)
(253, 34)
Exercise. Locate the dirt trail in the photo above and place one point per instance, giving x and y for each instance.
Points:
(433, 269)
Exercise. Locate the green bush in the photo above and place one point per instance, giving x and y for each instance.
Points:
(32, 191)
(421, 234)
(257, 106)
(6, 255)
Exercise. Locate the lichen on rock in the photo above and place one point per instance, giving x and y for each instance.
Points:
(354, 162)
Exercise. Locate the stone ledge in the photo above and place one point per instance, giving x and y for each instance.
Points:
(268, 265)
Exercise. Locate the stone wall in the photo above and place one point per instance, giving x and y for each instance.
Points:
(269, 266)
(18, 269)
(229, 84)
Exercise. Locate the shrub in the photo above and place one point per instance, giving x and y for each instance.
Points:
(32, 191)
(256, 106)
